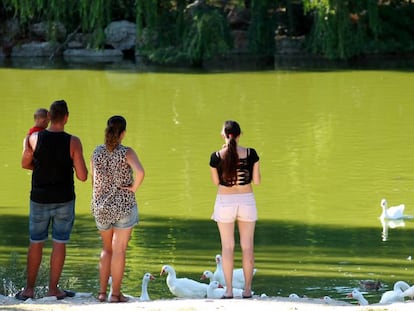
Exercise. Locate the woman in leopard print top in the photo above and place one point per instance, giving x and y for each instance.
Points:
(114, 207)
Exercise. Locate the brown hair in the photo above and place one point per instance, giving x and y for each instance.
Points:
(58, 110)
(231, 130)
(116, 125)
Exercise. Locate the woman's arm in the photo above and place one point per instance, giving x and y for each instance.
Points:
(134, 162)
(257, 178)
(214, 176)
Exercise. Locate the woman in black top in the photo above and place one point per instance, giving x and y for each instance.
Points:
(233, 169)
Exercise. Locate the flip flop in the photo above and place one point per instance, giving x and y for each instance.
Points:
(247, 297)
(20, 296)
(69, 293)
(226, 297)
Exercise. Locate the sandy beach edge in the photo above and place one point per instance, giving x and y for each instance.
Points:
(262, 304)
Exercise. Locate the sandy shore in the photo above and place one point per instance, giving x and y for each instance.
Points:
(86, 303)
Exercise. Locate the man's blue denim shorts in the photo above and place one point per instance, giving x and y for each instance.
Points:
(61, 215)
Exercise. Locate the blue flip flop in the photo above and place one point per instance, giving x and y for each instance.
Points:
(69, 293)
(20, 296)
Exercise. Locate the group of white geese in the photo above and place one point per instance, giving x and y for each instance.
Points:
(188, 288)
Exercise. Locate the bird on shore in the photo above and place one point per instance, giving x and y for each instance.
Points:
(409, 292)
(183, 287)
(207, 275)
(144, 288)
(356, 294)
(238, 275)
(395, 295)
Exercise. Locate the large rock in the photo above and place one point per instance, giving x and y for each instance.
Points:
(92, 56)
(289, 45)
(121, 35)
(34, 49)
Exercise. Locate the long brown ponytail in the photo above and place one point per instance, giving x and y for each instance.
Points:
(230, 160)
(115, 127)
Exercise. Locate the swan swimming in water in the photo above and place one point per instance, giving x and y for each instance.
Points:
(392, 212)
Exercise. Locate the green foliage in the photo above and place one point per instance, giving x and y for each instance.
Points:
(206, 36)
(262, 27)
(94, 17)
(343, 29)
(169, 30)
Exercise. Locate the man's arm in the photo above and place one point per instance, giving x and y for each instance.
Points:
(27, 156)
(76, 152)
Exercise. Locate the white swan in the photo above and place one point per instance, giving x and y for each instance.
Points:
(409, 292)
(183, 287)
(393, 212)
(356, 294)
(238, 275)
(395, 294)
(144, 291)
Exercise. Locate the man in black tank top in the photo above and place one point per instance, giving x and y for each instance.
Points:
(53, 155)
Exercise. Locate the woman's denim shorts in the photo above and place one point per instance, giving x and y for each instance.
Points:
(124, 223)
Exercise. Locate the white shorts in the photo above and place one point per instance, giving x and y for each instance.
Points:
(229, 207)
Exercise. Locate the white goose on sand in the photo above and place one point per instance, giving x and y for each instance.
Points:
(395, 295)
(356, 294)
(208, 275)
(183, 287)
(144, 291)
(392, 212)
(238, 275)
(215, 290)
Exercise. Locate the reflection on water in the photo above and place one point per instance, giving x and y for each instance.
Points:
(331, 144)
(390, 224)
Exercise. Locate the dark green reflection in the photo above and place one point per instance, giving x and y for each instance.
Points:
(291, 257)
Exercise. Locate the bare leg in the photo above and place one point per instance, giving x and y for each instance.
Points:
(119, 246)
(105, 262)
(246, 230)
(227, 254)
(57, 260)
(34, 259)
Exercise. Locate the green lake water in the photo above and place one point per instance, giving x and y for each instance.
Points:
(332, 144)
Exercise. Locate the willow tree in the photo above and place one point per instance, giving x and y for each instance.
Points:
(341, 29)
(84, 15)
(180, 31)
